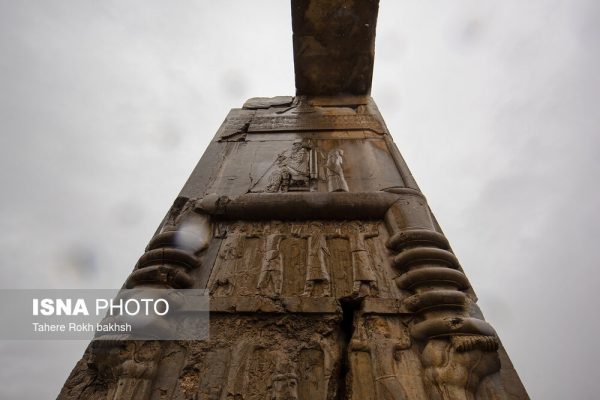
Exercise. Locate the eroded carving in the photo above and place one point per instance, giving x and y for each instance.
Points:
(230, 254)
(284, 381)
(293, 358)
(212, 375)
(314, 374)
(458, 350)
(384, 342)
(137, 371)
(455, 374)
(306, 309)
(291, 170)
(270, 280)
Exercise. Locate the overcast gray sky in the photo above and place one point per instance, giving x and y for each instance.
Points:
(106, 106)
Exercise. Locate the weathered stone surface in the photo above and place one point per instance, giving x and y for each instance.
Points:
(316, 122)
(328, 274)
(334, 46)
(256, 103)
(329, 279)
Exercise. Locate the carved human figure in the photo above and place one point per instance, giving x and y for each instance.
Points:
(316, 267)
(270, 280)
(284, 381)
(236, 384)
(136, 374)
(230, 255)
(335, 173)
(279, 179)
(292, 169)
(365, 281)
(298, 162)
(375, 337)
(330, 349)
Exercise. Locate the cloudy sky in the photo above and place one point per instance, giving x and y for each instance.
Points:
(106, 106)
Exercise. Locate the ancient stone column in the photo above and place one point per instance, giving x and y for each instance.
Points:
(328, 274)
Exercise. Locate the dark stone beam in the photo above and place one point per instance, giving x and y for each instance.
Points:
(334, 46)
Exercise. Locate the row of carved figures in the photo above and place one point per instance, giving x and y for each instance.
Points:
(316, 261)
(302, 359)
(457, 350)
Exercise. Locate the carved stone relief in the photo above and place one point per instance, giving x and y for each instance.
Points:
(284, 356)
(292, 358)
(455, 372)
(311, 259)
(458, 351)
(290, 170)
(283, 383)
(328, 304)
(294, 255)
(212, 375)
(341, 266)
(270, 280)
(137, 372)
(311, 374)
(335, 173)
(247, 271)
(383, 340)
(317, 281)
(364, 280)
(305, 163)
